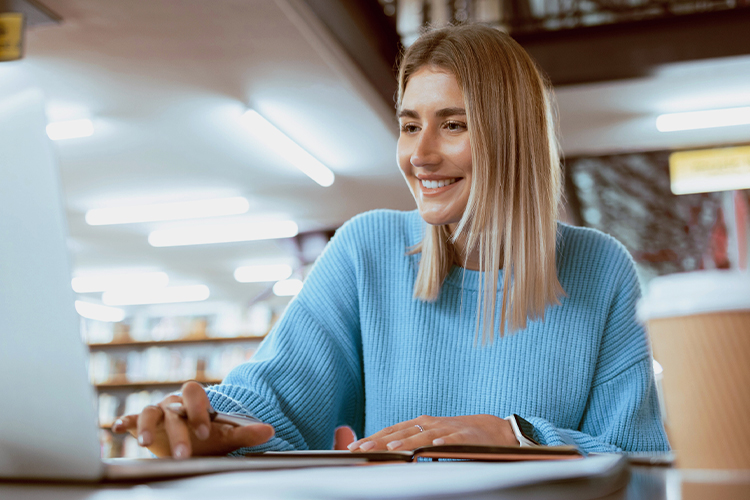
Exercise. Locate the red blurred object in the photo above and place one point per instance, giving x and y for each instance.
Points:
(343, 437)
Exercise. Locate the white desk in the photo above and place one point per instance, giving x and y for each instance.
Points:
(633, 483)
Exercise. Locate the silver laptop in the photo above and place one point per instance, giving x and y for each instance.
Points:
(48, 420)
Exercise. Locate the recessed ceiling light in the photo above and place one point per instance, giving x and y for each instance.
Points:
(223, 233)
(104, 282)
(287, 288)
(170, 294)
(99, 312)
(287, 148)
(70, 129)
(168, 211)
(711, 118)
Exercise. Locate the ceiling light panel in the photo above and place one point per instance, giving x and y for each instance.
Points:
(70, 129)
(168, 211)
(168, 295)
(287, 288)
(258, 274)
(287, 148)
(99, 312)
(104, 282)
(711, 118)
(223, 233)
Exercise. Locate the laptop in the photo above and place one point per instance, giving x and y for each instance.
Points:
(48, 418)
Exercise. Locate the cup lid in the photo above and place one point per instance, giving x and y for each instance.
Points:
(699, 292)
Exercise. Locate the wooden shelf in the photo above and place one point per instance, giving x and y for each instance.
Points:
(151, 343)
(146, 385)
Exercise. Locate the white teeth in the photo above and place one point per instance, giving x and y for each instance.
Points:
(437, 184)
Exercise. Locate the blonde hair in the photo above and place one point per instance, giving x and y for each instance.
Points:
(512, 210)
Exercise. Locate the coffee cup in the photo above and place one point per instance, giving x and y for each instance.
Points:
(699, 327)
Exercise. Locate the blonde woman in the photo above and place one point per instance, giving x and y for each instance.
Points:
(476, 319)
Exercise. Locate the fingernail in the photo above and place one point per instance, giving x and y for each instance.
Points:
(144, 438)
(367, 446)
(202, 432)
(393, 445)
(438, 441)
(180, 451)
(354, 445)
(118, 423)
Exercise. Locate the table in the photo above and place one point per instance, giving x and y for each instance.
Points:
(642, 483)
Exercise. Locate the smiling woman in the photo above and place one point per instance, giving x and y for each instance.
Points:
(378, 337)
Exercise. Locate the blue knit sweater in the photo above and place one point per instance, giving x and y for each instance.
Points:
(355, 348)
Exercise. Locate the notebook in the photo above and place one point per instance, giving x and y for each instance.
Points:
(477, 453)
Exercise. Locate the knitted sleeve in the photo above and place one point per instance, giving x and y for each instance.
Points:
(306, 377)
(622, 411)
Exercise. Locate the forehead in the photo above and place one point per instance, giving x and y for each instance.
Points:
(432, 86)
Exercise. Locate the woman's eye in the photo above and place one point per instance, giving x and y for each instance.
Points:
(409, 128)
(455, 126)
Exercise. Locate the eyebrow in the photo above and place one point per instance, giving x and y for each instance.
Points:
(441, 113)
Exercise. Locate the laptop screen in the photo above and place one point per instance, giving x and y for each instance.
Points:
(48, 426)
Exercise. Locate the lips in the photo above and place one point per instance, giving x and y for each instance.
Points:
(435, 187)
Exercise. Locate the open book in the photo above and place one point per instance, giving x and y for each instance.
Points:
(454, 452)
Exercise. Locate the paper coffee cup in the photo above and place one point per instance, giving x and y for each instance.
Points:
(699, 326)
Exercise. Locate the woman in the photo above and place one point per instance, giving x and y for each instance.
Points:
(385, 335)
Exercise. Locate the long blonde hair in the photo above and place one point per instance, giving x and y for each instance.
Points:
(511, 215)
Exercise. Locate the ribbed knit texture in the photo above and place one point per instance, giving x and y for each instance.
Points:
(355, 348)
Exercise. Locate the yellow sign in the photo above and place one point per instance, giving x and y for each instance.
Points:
(11, 35)
(708, 170)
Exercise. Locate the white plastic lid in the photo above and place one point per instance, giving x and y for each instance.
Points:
(699, 292)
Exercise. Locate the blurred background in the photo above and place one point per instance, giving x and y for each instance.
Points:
(209, 149)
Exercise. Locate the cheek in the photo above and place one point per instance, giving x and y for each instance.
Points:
(404, 160)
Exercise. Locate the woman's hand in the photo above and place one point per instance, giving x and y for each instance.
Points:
(423, 431)
(166, 434)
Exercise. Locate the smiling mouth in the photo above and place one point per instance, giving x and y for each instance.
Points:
(437, 184)
(437, 187)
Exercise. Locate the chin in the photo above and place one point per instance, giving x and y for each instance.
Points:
(436, 219)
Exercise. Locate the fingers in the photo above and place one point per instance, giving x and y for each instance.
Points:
(402, 436)
(247, 435)
(196, 403)
(127, 423)
(176, 429)
(150, 417)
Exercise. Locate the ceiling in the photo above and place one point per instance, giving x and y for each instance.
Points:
(166, 83)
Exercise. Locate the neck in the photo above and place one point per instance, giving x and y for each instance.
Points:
(461, 256)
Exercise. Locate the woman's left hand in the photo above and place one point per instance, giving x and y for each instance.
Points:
(425, 430)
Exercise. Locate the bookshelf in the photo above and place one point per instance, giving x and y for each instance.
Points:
(129, 374)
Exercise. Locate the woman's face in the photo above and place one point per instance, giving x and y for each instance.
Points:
(434, 152)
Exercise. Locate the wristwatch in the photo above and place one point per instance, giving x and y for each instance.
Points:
(523, 430)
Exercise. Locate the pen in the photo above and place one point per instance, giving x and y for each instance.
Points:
(236, 419)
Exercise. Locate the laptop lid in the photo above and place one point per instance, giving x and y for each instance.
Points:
(48, 425)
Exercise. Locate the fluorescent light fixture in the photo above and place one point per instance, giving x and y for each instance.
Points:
(70, 129)
(287, 288)
(257, 274)
(703, 119)
(223, 233)
(170, 294)
(287, 148)
(168, 211)
(104, 282)
(99, 312)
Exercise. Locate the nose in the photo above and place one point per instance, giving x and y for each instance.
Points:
(426, 151)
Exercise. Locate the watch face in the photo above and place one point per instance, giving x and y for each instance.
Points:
(527, 430)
